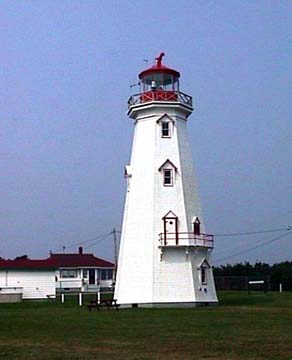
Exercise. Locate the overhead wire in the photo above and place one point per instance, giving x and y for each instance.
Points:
(248, 232)
(94, 240)
(99, 240)
(84, 242)
(255, 247)
(254, 232)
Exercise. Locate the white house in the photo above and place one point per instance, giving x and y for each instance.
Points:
(23, 278)
(164, 257)
(82, 272)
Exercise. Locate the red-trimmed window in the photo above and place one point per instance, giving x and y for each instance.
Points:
(203, 276)
(168, 177)
(165, 129)
(196, 226)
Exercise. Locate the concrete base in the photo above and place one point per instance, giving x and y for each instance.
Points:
(10, 298)
(169, 305)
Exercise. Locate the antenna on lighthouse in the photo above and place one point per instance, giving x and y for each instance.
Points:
(136, 84)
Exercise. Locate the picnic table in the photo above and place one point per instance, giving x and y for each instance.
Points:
(109, 303)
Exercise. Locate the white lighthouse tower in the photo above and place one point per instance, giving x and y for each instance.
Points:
(164, 257)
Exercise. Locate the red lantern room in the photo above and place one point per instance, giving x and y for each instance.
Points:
(159, 77)
(159, 82)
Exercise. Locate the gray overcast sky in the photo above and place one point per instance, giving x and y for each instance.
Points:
(66, 70)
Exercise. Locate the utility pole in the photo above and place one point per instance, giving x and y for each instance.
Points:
(115, 255)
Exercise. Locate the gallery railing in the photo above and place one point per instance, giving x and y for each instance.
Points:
(160, 95)
(186, 239)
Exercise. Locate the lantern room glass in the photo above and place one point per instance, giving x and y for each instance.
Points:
(159, 81)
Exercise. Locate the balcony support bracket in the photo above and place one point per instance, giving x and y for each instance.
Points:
(187, 253)
(161, 254)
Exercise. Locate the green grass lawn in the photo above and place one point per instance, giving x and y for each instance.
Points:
(241, 327)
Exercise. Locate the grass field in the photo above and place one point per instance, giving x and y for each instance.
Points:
(241, 327)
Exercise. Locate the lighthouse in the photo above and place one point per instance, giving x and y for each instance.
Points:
(164, 256)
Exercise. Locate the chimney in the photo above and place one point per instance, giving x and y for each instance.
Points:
(80, 250)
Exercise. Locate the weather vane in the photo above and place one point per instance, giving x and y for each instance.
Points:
(159, 59)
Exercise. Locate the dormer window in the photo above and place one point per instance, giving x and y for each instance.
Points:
(168, 177)
(165, 129)
(203, 268)
(196, 226)
(166, 125)
(168, 170)
(203, 276)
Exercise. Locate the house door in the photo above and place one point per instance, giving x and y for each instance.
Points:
(91, 276)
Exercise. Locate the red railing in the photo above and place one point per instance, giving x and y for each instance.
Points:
(160, 95)
(186, 239)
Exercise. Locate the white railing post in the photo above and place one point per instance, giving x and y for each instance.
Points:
(98, 295)
(280, 288)
(80, 299)
(62, 298)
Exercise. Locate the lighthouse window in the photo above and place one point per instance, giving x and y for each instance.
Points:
(168, 177)
(196, 225)
(203, 276)
(165, 129)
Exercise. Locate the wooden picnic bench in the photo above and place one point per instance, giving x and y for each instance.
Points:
(109, 303)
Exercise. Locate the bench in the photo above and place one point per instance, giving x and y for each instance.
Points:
(109, 303)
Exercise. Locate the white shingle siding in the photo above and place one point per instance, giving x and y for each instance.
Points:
(36, 284)
(145, 275)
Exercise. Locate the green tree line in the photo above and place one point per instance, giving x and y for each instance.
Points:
(280, 273)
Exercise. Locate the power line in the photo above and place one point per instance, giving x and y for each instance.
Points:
(254, 247)
(102, 237)
(99, 240)
(84, 242)
(248, 232)
(254, 232)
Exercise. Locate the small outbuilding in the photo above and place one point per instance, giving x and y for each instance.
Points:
(23, 278)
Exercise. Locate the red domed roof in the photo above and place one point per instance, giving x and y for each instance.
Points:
(159, 68)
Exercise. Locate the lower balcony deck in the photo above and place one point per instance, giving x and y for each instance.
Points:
(186, 239)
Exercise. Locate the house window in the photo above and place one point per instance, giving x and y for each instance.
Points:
(203, 276)
(168, 177)
(165, 129)
(98, 273)
(110, 274)
(85, 274)
(106, 274)
(68, 274)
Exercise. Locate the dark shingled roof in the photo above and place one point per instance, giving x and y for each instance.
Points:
(25, 263)
(56, 261)
(77, 260)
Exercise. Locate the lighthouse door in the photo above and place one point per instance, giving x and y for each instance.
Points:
(170, 230)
